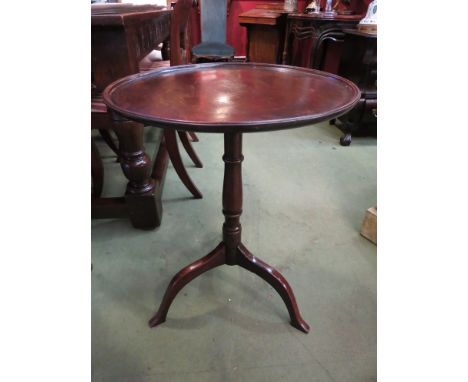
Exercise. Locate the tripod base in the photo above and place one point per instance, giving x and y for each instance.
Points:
(242, 258)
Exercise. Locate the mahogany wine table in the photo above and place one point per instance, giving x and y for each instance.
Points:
(231, 98)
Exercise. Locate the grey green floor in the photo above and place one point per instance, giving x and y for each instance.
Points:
(304, 200)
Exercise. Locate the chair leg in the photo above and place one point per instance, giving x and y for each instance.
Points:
(193, 136)
(105, 134)
(190, 151)
(160, 159)
(97, 170)
(174, 155)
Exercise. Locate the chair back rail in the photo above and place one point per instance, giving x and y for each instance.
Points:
(179, 20)
(213, 20)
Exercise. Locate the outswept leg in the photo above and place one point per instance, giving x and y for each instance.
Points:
(276, 280)
(174, 155)
(215, 258)
(230, 251)
(193, 136)
(188, 147)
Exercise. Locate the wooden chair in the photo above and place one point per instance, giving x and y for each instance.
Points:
(213, 33)
(179, 51)
(157, 59)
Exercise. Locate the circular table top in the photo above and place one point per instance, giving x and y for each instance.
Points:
(231, 97)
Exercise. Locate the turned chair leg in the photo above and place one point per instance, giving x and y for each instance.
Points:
(174, 155)
(189, 149)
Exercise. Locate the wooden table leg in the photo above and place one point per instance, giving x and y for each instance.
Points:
(277, 281)
(231, 251)
(136, 166)
(214, 259)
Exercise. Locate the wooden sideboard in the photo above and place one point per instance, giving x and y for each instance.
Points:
(313, 41)
(265, 34)
(277, 36)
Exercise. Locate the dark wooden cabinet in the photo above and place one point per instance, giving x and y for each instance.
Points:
(314, 41)
(359, 64)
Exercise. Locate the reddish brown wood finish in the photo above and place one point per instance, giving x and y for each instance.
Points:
(231, 251)
(179, 24)
(179, 39)
(265, 33)
(140, 195)
(121, 35)
(174, 155)
(232, 98)
(189, 148)
(276, 280)
(179, 27)
(193, 136)
(214, 259)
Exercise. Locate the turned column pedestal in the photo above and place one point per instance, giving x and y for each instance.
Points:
(231, 251)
